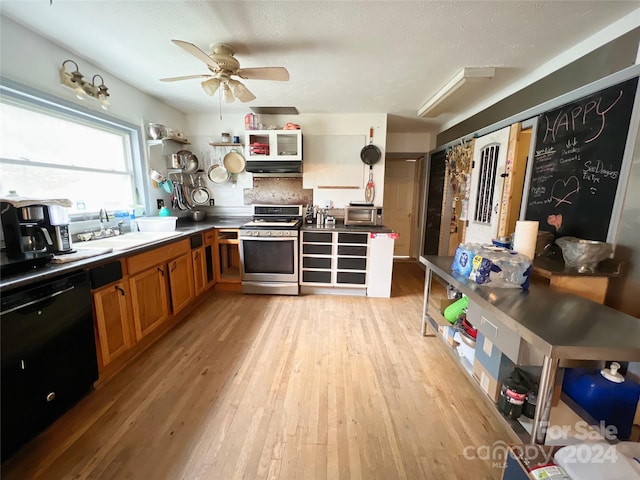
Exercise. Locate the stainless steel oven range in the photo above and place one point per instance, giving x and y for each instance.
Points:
(269, 250)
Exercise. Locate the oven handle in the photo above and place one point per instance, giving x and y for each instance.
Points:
(38, 300)
(269, 239)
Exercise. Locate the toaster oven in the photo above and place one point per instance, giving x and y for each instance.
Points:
(363, 216)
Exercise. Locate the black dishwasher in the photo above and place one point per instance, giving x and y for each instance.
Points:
(48, 355)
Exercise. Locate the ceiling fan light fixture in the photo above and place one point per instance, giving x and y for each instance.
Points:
(227, 94)
(211, 86)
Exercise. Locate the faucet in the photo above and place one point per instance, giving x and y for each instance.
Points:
(104, 217)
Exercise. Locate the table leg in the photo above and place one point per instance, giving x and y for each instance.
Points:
(425, 304)
(545, 395)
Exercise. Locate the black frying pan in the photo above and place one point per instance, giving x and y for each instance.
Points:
(370, 154)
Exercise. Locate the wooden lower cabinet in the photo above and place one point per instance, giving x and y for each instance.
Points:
(113, 321)
(153, 290)
(181, 282)
(149, 299)
(200, 264)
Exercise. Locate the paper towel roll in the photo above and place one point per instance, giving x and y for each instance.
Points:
(525, 238)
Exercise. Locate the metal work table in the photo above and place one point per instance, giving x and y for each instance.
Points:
(560, 326)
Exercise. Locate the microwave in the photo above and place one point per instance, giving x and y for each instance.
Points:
(363, 216)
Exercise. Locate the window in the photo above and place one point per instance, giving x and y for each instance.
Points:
(52, 150)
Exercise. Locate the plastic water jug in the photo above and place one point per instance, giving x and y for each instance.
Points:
(606, 395)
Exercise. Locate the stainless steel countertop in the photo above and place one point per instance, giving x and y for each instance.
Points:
(185, 226)
(560, 325)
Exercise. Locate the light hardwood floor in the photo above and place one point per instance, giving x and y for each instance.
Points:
(279, 387)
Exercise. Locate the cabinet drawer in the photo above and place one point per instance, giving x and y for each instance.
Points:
(138, 263)
(352, 263)
(209, 236)
(310, 276)
(353, 278)
(317, 237)
(311, 249)
(355, 251)
(505, 339)
(353, 237)
(314, 262)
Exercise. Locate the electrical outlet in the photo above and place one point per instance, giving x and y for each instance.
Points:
(160, 203)
(211, 202)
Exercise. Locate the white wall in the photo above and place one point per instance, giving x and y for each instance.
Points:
(29, 59)
(204, 128)
(410, 142)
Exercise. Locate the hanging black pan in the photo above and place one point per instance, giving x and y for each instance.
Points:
(370, 154)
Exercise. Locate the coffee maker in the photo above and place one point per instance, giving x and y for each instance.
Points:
(56, 221)
(27, 241)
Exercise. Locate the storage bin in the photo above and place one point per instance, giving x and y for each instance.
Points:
(605, 400)
(156, 224)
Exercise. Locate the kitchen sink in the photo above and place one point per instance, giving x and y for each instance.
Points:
(125, 241)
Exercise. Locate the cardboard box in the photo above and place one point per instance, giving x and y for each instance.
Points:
(491, 386)
(447, 335)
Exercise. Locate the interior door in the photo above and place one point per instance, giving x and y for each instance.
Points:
(489, 164)
(399, 180)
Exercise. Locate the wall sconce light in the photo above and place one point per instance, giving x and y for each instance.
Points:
(466, 75)
(83, 89)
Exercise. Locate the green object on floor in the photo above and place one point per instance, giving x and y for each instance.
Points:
(456, 308)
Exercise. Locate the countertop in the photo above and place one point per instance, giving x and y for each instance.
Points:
(560, 325)
(184, 226)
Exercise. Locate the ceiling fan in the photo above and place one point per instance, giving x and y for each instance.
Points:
(223, 66)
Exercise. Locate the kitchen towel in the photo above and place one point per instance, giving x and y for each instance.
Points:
(525, 238)
(80, 254)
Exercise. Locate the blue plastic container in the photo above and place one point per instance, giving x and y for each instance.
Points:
(604, 394)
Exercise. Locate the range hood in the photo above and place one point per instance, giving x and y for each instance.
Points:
(280, 168)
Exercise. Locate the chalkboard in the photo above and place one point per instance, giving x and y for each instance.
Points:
(433, 221)
(577, 162)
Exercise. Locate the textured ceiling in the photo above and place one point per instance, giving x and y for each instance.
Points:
(343, 57)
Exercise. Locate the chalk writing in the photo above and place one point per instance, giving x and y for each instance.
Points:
(563, 190)
(570, 159)
(570, 120)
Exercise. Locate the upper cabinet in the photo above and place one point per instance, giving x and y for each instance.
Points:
(273, 144)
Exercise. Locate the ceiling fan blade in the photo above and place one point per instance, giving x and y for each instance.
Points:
(187, 77)
(196, 52)
(264, 73)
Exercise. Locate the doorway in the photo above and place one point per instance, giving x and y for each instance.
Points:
(400, 199)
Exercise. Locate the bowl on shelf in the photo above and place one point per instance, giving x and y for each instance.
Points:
(157, 131)
(583, 255)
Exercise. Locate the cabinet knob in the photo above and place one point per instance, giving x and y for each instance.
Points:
(120, 289)
(51, 396)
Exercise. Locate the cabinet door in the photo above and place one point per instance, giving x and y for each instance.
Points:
(199, 270)
(113, 321)
(149, 299)
(181, 282)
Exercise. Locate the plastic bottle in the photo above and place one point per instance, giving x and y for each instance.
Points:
(164, 212)
(133, 226)
(605, 395)
(249, 121)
